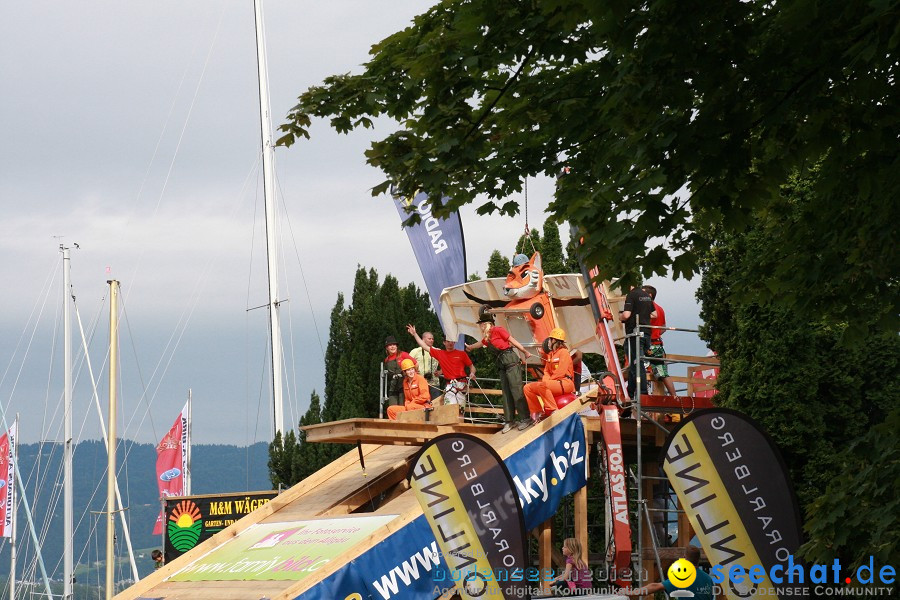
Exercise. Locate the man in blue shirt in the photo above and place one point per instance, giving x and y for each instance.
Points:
(701, 588)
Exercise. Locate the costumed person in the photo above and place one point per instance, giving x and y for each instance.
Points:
(415, 391)
(577, 579)
(636, 311)
(659, 368)
(453, 364)
(394, 386)
(558, 376)
(428, 365)
(500, 343)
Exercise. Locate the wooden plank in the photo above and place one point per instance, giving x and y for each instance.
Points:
(485, 391)
(380, 431)
(446, 414)
(581, 519)
(545, 552)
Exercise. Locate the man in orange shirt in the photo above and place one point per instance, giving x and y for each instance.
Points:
(558, 377)
(415, 391)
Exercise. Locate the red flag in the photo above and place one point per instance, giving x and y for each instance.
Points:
(7, 480)
(171, 464)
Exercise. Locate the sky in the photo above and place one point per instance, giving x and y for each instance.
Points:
(132, 130)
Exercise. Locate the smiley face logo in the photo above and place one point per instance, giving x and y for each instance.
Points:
(682, 573)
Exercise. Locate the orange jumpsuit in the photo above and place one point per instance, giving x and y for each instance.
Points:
(558, 380)
(415, 396)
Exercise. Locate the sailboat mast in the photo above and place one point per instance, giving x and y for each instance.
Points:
(68, 517)
(12, 507)
(111, 444)
(268, 150)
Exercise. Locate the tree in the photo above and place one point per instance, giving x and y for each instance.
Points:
(352, 367)
(812, 388)
(498, 265)
(529, 242)
(667, 117)
(552, 251)
(309, 458)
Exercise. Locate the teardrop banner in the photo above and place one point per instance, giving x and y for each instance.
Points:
(470, 502)
(734, 487)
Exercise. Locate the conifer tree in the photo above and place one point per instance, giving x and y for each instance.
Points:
(338, 343)
(529, 244)
(552, 251)
(309, 458)
(498, 265)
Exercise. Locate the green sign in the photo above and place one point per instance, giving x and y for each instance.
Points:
(281, 551)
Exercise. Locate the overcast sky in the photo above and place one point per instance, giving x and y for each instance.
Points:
(132, 129)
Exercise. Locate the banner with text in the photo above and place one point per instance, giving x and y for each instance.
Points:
(438, 244)
(733, 485)
(468, 498)
(282, 551)
(194, 519)
(409, 564)
(548, 469)
(8, 481)
(171, 464)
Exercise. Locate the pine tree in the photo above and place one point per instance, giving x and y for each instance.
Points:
(529, 244)
(309, 457)
(338, 343)
(498, 265)
(552, 251)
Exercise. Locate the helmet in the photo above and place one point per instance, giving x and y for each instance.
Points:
(558, 334)
(484, 314)
(407, 363)
(519, 259)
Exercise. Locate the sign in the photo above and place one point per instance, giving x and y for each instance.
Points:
(733, 486)
(469, 500)
(281, 551)
(409, 564)
(194, 519)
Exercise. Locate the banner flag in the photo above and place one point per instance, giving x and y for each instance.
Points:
(7, 484)
(171, 464)
(438, 244)
(733, 485)
(469, 499)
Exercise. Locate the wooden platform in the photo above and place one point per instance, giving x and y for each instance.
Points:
(389, 433)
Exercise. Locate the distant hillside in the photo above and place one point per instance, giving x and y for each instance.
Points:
(216, 468)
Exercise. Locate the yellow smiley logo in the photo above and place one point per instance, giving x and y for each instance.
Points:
(682, 573)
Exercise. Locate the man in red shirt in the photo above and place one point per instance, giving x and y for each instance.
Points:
(453, 365)
(659, 369)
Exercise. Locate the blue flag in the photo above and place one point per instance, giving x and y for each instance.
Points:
(438, 245)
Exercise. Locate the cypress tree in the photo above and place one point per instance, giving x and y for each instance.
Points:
(529, 244)
(498, 265)
(552, 251)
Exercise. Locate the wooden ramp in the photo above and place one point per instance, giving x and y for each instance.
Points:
(338, 490)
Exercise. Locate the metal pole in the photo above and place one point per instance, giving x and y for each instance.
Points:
(68, 517)
(111, 444)
(105, 439)
(187, 475)
(268, 152)
(14, 452)
(638, 366)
